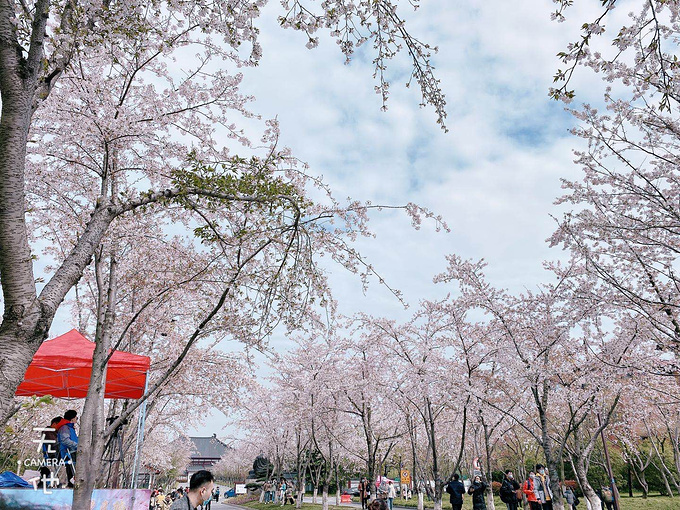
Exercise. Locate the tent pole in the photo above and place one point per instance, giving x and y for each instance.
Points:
(140, 435)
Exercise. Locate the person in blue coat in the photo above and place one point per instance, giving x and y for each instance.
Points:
(456, 488)
(68, 442)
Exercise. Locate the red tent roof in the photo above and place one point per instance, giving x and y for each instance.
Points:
(62, 368)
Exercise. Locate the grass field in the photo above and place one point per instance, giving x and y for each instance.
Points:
(651, 503)
(635, 503)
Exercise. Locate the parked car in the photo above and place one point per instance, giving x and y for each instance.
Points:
(352, 492)
(230, 493)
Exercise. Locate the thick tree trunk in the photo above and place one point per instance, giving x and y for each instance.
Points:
(421, 499)
(314, 494)
(337, 484)
(324, 497)
(18, 344)
(92, 441)
(300, 494)
(24, 323)
(541, 400)
(26, 319)
(557, 501)
(588, 492)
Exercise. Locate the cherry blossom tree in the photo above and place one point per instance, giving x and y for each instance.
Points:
(316, 358)
(369, 399)
(531, 332)
(427, 382)
(623, 229)
(110, 114)
(58, 64)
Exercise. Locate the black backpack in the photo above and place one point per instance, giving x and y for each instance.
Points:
(506, 494)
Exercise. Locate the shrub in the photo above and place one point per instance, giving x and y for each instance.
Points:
(242, 498)
(496, 487)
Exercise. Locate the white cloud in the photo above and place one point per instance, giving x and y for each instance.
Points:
(494, 176)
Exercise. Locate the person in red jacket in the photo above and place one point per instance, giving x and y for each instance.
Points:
(528, 490)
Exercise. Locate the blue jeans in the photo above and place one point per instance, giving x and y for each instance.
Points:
(389, 503)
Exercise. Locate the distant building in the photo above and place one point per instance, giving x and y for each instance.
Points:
(146, 478)
(205, 453)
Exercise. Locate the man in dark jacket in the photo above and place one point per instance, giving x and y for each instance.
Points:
(508, 490)
(201, 485)
(456, 488)
(477, 489)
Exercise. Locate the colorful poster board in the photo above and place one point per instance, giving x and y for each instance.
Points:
(61, 499)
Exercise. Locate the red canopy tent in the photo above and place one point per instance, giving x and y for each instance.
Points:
(62, 368)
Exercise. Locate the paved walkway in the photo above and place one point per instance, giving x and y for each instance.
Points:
(220, 505)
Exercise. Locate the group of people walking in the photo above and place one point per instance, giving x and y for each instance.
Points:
(536, 489)
(477, 490)
(539, 493)
(278, 492)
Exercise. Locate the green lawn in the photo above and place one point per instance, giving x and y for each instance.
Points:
(635, 503)
(651, 503)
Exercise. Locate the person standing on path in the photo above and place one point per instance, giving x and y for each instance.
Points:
(160, 500)
(282, 491)
(272, 490)
(530, 493)
(364, 493)
(391, 494)
(542, 489)
(569, 497)
(509, 490)
(477, 489)
(68, 443)
(456, 488)
(267, 489)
